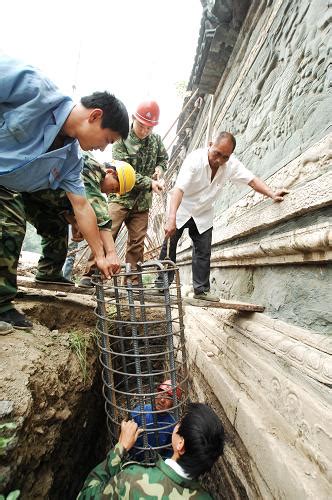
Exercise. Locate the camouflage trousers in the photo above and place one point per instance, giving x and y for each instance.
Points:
(44, 210)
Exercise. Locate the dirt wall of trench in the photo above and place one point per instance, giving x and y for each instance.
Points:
(52, 414)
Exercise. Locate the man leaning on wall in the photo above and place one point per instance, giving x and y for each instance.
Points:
(199, 183)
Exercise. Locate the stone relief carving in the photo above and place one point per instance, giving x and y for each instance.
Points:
(282, 98)
(309, 360)
(311, 168)
(289, 385)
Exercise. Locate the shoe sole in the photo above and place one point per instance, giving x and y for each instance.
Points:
(206, 300)
(85, 286)
(5, 332)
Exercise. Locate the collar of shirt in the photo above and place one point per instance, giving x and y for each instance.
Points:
(174, 476)
(133, 143)
(177, 467)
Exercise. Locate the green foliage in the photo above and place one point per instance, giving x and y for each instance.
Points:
(32, 241)
(13, 495)
(8, 426)
(5, 438)
(148, 278)
(4, 442)
(78, 343)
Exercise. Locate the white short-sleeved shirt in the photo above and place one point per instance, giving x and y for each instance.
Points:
(199, 193)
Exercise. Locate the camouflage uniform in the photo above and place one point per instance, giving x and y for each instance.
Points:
(133, 208)
(113, 479)
(93, 174)
(45, 210)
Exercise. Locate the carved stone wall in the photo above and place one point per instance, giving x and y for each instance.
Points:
(274, 384)
(274, 95)
(271, 373)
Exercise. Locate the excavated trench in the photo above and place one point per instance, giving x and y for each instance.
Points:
(53, 423)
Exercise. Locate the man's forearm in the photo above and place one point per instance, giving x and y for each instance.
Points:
(108, 242)
(175, 202)
(258, 185)
(87, 223)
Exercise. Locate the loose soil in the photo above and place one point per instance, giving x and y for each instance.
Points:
(54, 413)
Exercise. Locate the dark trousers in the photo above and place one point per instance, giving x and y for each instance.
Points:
(201, 255)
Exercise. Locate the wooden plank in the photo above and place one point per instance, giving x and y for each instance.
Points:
(26, 282)
(224, 304)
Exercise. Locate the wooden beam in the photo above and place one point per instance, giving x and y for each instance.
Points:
(26, 282)
(224, 304)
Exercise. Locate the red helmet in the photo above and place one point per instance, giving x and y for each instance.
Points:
(147, 113)
(167, 386)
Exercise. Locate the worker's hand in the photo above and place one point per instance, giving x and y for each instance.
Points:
(104, 267)
(157, 174)
(129, 434)
(157, 186)
(170, 227)
(113, 262)
(279, 195)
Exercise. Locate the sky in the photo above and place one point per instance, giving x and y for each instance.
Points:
(136, 49)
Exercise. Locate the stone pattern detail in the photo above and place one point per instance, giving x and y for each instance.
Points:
(274, 385)
(310, 244)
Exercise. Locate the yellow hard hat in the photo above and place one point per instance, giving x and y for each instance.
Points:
(126, 176)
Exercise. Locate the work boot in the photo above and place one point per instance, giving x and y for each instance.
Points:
(54, 280)
(86, 282)
(17, 319)
(209, 297)
(5, 328)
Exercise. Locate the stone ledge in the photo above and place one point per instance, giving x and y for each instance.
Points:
(310, 244)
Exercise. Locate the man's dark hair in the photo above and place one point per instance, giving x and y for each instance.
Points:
(225, 135)
(115, 114)
(204, 437)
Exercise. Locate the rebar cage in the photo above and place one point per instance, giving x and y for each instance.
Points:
(141, 344)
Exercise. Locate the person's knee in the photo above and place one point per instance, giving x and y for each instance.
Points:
(11, 243)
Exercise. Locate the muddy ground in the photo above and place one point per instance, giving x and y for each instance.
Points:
(53, 413)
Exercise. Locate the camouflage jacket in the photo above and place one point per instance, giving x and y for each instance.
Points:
(113, 479)
(144, 155)
(93, 174)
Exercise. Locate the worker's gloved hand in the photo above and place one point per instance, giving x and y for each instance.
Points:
(279, 195)
(170, 227)
(129, 434)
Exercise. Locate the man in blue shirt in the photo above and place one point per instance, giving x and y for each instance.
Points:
(41, 132)
(159, 422)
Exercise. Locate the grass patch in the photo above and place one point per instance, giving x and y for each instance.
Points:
(78, 343)
(148, 278)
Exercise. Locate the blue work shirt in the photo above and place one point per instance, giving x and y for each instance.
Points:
(165, 422)
(32, 113)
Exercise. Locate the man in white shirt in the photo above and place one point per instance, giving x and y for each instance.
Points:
(199, 183)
